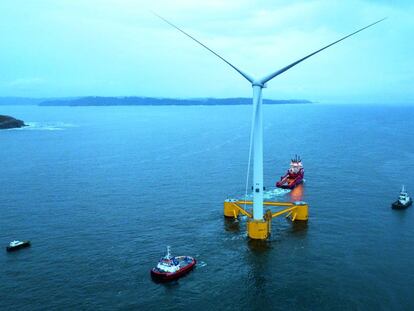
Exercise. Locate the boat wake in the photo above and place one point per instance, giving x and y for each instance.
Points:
(46, 126)
(269, 194)
(273, 193)
(201, 264)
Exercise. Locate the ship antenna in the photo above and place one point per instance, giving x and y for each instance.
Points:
(168, 252)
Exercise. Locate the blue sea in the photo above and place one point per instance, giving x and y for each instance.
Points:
(101, 192)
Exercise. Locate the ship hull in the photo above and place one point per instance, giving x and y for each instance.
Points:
(398, 205)
(15, 248)
(290, 182)
(160, 276)
(290, 186)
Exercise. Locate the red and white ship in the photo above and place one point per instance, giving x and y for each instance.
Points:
(294, 175)
(171, 268)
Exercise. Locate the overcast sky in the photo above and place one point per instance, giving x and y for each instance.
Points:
(118, 48)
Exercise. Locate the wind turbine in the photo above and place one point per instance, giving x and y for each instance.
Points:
(257, 120)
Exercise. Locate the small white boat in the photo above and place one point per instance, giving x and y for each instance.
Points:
(15, 245)
(403, 201)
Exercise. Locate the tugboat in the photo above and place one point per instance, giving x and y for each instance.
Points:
(403, 201)
(171, 268)
(294, 175)
(15, 245)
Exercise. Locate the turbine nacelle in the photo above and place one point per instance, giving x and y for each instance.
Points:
(259, 83)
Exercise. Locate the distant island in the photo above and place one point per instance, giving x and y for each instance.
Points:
(139, 101)
(154, 101)
(7, 122)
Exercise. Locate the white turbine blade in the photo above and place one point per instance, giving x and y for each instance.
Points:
(246, 76)
(280, 71)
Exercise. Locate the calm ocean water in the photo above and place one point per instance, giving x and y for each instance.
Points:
(101, 191)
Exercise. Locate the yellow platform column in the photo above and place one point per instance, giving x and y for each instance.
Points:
(258, 229)
(301, 212)
(230, 209)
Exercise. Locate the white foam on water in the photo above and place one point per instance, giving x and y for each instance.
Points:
(269, 194)
(201, 264)
(273, 193)
(236, 237)
(47, 126)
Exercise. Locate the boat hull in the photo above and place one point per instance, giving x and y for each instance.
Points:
(398, 205)
(166, 276)
(290, 186)
(15, 248)
(288, 182)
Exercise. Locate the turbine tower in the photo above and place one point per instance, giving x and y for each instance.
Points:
(257, 122)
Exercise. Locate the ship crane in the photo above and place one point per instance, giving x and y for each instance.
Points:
(259, 224)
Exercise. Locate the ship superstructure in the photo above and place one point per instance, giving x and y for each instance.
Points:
(294, 175)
